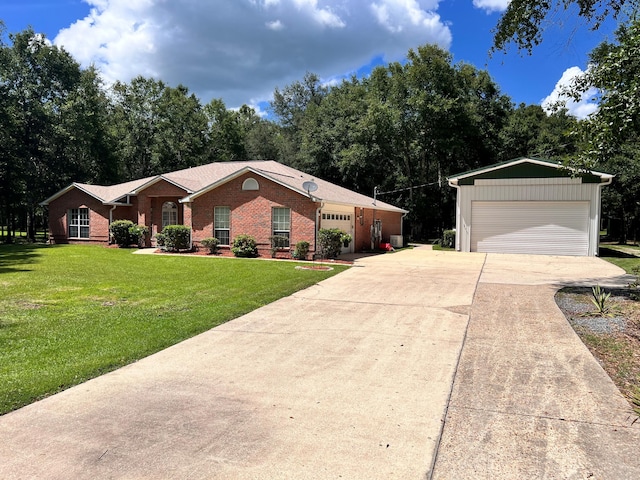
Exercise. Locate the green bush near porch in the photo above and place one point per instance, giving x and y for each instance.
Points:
(73, 312)
(176, 238)
(125, 233)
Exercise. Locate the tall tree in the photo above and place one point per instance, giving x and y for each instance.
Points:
(37, 81)
(523, 20)
(88, 154)
(532, 132)
(290, 105)
(620, 199)
(263, 139)
(182, 129)
(158, 128)
(135, 115)
(226, 132)
(402, 129)
(615, 72)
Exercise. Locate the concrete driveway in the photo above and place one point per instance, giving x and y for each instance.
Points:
(355, 378)
(529, 400)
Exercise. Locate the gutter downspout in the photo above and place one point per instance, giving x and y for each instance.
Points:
(315, 232)
(404, 215)
(111, 219)
(454, 184)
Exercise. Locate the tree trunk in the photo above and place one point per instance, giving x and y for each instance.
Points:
(31, 225)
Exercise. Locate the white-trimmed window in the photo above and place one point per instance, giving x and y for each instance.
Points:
(281, 223)
(222, 224)
(78, 222)
(250, 184)
(169, 214)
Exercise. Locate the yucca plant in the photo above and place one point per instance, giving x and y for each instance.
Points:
(601, 301)
(635, 401)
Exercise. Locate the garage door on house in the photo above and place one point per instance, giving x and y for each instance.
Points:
(549, 228)
(339, 220)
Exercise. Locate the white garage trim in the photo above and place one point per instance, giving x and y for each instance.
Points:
(538, 227)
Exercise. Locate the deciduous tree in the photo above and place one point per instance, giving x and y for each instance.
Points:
(523, 21)
(37, 81)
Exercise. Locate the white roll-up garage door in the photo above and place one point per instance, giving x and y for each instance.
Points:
(546, 228)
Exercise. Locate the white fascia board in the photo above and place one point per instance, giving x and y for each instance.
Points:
(66, 190)
(371, 206)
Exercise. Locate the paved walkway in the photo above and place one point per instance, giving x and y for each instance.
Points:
(352, 379)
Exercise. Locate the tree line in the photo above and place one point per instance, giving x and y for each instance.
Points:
(402, 130)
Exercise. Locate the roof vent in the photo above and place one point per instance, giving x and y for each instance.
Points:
(250, 184)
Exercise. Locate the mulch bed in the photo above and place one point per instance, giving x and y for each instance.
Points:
(325, 268)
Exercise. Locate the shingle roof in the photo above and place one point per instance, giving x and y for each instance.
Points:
(197, 180)
(113, 193)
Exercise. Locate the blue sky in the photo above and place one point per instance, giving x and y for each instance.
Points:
(240, 50)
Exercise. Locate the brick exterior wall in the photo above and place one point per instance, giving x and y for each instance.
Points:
(391, 225)
(251, 212)
(58, 217)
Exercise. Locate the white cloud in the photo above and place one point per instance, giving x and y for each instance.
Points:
(579, 109)
(324, 16)
(275, 25)
(241, 50)
(492, 5)
(396, 15)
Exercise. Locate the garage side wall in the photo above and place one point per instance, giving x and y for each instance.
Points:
(527, 189)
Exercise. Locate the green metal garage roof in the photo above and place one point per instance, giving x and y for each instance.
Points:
(526, 168)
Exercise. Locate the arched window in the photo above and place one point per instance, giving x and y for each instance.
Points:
(250, 184)
(169, 214)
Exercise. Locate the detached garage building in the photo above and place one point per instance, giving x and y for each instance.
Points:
(528, 206)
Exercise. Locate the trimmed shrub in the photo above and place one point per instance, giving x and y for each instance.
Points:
(330, 242)
(119, 230)
(278, 242)
(160, 239)
(211, 244)
(448, 239)
(126, 233)
(244, 246)
(176, 237)
(138, 234)
(301, 251)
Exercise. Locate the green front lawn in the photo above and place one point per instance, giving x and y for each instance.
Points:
(70, 313)
(621, 256)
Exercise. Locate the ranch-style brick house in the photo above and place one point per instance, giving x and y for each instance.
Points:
(223, 200)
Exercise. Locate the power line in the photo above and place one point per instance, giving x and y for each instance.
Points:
(376, 192)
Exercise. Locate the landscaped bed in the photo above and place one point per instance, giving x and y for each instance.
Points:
(70, 313)
(612, 336)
